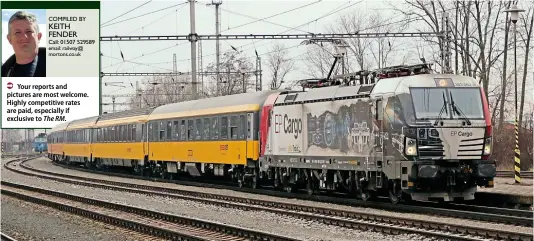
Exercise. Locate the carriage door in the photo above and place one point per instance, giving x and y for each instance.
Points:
(270, 136)
(379, 140)
(249, 129)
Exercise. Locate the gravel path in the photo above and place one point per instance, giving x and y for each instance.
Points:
(27, 221)
(264, 221)
(506, 185)
(46, 164)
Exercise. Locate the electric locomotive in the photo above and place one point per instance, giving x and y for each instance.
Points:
(40, 143)
(402, 132)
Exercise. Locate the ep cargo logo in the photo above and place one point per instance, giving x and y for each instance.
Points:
(289, 125)
(461, 133)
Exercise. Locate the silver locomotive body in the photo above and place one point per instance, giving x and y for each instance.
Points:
(420, 136)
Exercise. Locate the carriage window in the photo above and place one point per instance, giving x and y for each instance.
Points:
(112, 134)
(162, 131)
(249, 120)
(198, 129)
(224, 128)
(125, 133)
(215, 128)
(128, 132)
(121, 133)
(169, 130)
(134, 136)
(233, 127)
(176, 130)
(190, 129)
(206, 128)
(150, 132)
(183, 131)
(117, 133)
(242, 127)
(155, 131)
(143, 131)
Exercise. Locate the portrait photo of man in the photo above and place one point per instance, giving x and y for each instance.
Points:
(24, 35)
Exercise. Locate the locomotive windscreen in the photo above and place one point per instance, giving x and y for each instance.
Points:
(429, 102)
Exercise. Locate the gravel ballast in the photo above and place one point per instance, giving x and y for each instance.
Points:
(264, 221)
(27, 221)
(46, 164)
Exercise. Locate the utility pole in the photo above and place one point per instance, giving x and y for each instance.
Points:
(445, 48)
(138, 94)
(193, 38)
(113, 103)
(217, 32)
(200, 66)
(100, 85)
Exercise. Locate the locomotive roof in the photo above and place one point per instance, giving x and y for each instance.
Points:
(82, 123)
(402, 84)
(222, 104)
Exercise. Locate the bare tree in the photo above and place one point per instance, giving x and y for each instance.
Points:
(476, 32)
(233, 63)
(279, 65)
(11, 135)
(318, 60)
(526, 40)
(354, 22)
(382, 48)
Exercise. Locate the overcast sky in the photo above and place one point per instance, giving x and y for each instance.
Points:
(157, 56)
(175, 20)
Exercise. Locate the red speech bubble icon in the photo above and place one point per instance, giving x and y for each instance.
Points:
(9, 85)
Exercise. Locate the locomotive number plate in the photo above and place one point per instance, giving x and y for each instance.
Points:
(224, 147)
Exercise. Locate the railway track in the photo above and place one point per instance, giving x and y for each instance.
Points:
(482, 213)
(355, 220)
(5, 237)
(524, 174)
(158, 224)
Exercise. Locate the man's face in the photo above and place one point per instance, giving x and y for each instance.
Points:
(23, 37)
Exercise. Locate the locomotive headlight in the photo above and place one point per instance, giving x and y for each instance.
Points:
(487, 146)
(410, 147)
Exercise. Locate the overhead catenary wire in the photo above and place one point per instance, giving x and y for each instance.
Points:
(126, 12)
(335, 10)
(138, 16)
(162, 17)
(271, 16)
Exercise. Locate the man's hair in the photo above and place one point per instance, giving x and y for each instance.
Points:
(23, 15)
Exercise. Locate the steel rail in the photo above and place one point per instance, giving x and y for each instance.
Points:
(491, 214)
(6, 237)
(167, 226)
(326, 215)
(524, 174)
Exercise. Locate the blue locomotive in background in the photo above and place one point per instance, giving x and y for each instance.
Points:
(39, 143)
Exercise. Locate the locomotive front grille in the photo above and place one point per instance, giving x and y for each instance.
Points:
(471, 148)
(431, 148)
